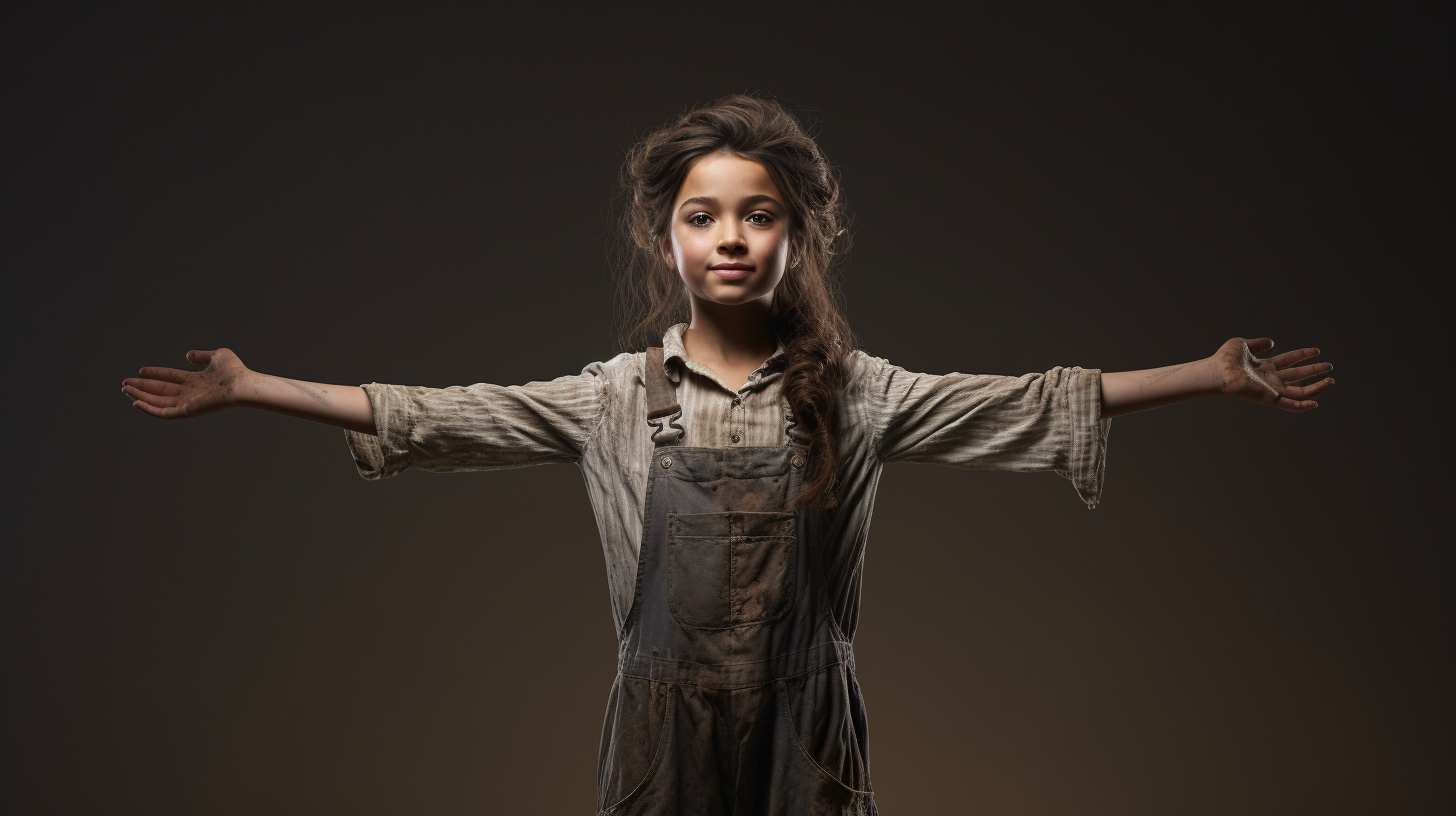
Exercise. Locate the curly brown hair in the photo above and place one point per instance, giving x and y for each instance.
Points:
(807, 316)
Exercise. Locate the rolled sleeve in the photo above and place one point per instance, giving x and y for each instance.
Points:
(1087, 455)
(478, 427)
(1051, 421)
(383, 454)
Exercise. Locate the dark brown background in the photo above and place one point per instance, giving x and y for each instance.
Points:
(219, 616)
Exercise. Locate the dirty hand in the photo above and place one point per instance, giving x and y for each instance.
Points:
(1273, 380)
(170, 393)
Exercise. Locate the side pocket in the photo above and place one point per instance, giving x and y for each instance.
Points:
(634, 738)
(729, 569)
(819, 715)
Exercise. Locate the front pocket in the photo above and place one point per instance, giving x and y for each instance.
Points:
(729, 569)
(822, 714)
(635, 735)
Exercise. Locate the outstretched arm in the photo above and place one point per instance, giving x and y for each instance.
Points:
(1233, 371)
(170, 393)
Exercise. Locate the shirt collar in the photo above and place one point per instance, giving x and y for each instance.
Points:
(673, 350)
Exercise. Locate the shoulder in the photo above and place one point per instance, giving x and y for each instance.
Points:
(620, 389)
(618, 380)
(864, 382)
(623, 367)
(859, 361)
(862, 368)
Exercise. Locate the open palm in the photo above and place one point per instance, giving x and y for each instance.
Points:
(170, 393)
(1274, 380)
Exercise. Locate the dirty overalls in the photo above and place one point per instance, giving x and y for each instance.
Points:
(735, 690)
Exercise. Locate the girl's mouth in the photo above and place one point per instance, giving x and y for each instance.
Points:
(732, 271)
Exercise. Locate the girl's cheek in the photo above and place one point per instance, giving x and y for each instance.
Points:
(683, 250)
(697, 249)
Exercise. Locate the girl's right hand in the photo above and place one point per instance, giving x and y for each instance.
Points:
(170, 393)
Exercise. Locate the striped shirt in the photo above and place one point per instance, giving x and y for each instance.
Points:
(597, 419)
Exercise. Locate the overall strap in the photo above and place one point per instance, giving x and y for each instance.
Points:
(664, 413)
(661, 396)
(792, 434)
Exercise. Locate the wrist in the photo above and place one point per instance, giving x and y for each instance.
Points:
(1212, 379)
(249, 389)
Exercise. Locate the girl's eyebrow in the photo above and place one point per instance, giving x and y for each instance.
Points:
(711, 201)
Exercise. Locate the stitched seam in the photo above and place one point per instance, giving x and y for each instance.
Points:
(847, 652)
(636, 609)
(735, 603)
(604, 405)
(876, 419)
(848, 664)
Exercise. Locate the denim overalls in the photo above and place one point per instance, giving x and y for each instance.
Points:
(735, 690)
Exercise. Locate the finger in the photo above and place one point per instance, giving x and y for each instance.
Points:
(1295, 406)
(1290, 375)
(158, 400)
(1258, 345)
(1304, 391)
(162, 387)
(1289, 358)
(199, 357)
(168, 374)
(160, 413)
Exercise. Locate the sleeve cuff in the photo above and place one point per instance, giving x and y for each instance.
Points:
(385, 454)
(1087, 459)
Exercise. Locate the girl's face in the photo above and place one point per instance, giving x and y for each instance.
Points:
(729, 233)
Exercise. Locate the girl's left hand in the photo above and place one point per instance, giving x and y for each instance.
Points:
(1272, 380)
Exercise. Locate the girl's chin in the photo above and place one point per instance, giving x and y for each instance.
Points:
(733, 296)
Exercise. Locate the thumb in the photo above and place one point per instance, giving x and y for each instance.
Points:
(199, 357)
(1259, 345)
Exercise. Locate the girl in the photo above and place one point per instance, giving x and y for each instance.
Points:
(733, 467)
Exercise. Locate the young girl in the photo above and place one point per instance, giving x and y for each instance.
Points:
(733, 467)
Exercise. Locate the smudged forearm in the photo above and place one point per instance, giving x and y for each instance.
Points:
(344, 406)
(1124, 392)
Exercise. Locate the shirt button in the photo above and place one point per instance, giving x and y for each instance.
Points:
(735, 437)
(798, 461)
(667, 461)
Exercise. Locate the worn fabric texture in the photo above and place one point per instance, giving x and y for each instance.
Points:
(735, 692)
(1036, 422)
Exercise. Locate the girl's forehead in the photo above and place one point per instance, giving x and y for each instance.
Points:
(726, 177)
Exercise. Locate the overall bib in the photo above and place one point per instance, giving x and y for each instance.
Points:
(735, 690)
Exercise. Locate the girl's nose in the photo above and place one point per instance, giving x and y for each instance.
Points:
(731, 240)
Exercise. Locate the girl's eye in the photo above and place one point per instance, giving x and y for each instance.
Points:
(703, 219)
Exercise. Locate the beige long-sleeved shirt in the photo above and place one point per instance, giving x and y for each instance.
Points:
(597, 419)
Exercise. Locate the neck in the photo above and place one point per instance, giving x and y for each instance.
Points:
(730, 334)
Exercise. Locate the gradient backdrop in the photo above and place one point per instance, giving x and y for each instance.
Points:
(219, 616)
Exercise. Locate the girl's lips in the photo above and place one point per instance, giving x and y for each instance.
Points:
(729, 273)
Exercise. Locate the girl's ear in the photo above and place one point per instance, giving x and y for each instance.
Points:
(664, 246)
